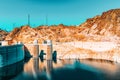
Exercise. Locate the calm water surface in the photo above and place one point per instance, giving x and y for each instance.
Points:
(36, 69)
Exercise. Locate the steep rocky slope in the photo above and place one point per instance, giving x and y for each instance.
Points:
(106, 26)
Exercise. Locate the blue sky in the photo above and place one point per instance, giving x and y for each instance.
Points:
(69, 12)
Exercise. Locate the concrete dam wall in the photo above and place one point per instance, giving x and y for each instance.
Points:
(11, 54)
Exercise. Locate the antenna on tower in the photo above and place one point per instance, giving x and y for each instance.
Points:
(46, 20)
(29, 19)
(14, 25)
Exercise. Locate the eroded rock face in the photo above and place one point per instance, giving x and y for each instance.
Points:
(2, 35)
(58, 33)
(108, 24)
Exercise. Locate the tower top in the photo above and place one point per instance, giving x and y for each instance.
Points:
(35, 42)
(48, 42)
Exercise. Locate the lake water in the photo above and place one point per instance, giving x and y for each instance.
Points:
(36, 69)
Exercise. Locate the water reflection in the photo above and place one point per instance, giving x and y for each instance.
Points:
(77, 71)
(11, 71)
(69, 69)
(49, 66)
(35, 69)
(110, 69)
(108, 66)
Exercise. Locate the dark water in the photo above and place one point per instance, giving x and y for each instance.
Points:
(35, 69)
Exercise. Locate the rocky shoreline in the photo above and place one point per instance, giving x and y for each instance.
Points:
(68, 51)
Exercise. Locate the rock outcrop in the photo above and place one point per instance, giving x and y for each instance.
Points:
(58, 33)
(2, 34)
(106, 26)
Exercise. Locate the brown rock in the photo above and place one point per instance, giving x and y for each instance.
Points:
(3, 34)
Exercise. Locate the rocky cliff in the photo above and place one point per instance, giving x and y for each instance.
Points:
(105, 26)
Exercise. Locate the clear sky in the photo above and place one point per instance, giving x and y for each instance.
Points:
(69, 12)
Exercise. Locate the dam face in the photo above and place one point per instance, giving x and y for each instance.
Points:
(48, 49)
(11, 54)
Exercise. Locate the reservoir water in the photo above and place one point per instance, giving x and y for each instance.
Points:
(36, 69)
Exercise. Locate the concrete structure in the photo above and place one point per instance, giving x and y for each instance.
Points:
(4, 43)
(48, 49)
(35, 68)
(49, 66)
(33, 48)
(11, 54)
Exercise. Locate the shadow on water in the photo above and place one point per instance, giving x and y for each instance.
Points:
(54, 56)
(41, 59)
(42, 55)
(55, 61)
(9, 72)
(27, 53)
(26, 59)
